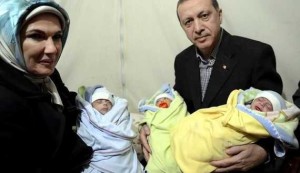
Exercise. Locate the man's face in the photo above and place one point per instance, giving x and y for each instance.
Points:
(201, 23)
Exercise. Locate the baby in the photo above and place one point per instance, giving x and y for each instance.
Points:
(161, 112)
(163, 100)
(111, 135)
(268, 101)
(102, 100)
(247, 117)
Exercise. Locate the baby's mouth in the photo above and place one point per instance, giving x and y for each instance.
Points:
(163, 105)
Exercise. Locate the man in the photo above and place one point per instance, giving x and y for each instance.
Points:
(216, 64)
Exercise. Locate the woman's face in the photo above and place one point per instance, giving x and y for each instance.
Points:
(41, 41)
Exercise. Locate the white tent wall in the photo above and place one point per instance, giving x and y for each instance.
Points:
(129, 46)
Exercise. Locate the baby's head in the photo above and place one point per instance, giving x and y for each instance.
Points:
(102, 100)
(163, 100)
(267, 101)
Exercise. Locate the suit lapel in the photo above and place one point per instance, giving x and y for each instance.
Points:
(193, 76)
(222, 69)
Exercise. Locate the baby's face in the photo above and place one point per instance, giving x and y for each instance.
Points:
(163, 102)
(102, 105)
(262, 104)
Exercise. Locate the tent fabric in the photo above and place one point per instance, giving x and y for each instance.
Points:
(130, 45)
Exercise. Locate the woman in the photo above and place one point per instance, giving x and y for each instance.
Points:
(36, 109)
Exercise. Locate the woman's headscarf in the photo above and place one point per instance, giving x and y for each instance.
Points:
(13, 15)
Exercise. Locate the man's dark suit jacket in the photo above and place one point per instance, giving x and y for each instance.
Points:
(241, 63)
(296, 96)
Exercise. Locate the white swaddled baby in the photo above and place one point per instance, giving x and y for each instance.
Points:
(106, 125)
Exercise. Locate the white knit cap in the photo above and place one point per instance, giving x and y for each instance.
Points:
(276, 99)
(102, 93)
(162, 96)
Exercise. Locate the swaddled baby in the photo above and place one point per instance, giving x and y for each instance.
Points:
(105, 124)
(161, 112)
(247, 117)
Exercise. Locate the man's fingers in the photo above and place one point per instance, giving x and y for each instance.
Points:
(146, 129)
(234, 150)
(144, 133)
(146, 154)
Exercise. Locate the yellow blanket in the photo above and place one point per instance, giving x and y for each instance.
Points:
(204, 135)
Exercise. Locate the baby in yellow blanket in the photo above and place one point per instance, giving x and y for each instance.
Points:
(204, 135)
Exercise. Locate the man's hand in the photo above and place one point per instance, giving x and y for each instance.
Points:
(242, 158)
(144, 133)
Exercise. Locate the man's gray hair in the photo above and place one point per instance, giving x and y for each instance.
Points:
(214, 3)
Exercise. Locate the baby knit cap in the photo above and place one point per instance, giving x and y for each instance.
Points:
(102, 93)
(162, 96)
(276, 99)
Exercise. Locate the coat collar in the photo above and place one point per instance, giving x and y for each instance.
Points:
(15, 80)
(222, 69)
